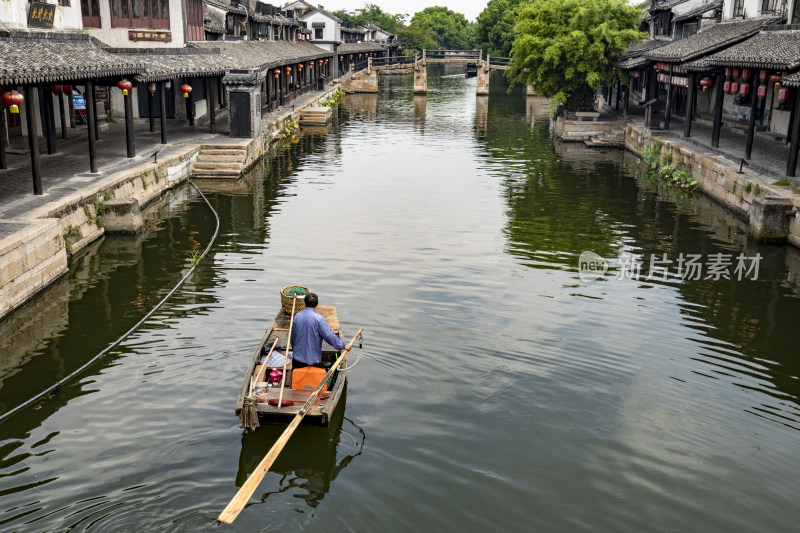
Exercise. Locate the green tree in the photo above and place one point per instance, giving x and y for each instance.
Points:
(450, 29)
(374, 14)
(495, 33)
(415, 38)
(567, 48)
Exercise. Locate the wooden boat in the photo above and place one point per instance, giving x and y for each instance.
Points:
(321, 412)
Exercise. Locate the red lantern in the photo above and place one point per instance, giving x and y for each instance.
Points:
(783, 95)
(310, 63)
(746, 74)
(744, 90)
(56, 89)
(351, 56)
(300, 66)
(726, 87)
(727, 72)
(276, 72)
(168, 85)
(762, 91)
(775, 78)
(186, 89)
(288, 70)
(706, 82)
(124, 86)
(762, 75)
(734, 87)
(319, 62)
(66, 89)
(13, 99)
(151, 87)
(736, 73)
(341, 58)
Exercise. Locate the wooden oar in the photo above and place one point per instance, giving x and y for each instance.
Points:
(286, 358)
(263, 367)
(229, 514)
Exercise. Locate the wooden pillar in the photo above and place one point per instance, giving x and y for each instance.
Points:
(70, 107)
(48, 117)
(3, 157)
(687, 125)
(33, 140)
(151, 107)
(668, 107)
(212, 112)
(189, 106)
(62, 113)
(94, 114)
(791, 165)
(91, 121)
(130, 143)
(751, 124)
(162, 100)
(719, 98)
(619, 88)
(626, 101)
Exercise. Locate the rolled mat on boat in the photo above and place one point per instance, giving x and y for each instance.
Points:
(249, 414)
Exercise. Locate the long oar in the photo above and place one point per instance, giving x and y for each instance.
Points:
(286, 358)
(229, 514)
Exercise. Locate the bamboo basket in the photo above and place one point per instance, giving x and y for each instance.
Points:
(286, 301)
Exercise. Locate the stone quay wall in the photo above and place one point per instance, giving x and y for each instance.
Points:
(752, 196)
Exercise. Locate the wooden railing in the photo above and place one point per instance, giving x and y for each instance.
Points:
(465, 55)
(396, 60)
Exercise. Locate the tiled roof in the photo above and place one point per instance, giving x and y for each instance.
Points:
(326, 13)
(699, 65)
(705, 42)
(666, 6)
(696, 12)
(770, 50)
(635, 50)
(633, 62)
(213, 28)
(261, 54)
(793, 80)
(44, 57)
(182, 63)
(350, 48)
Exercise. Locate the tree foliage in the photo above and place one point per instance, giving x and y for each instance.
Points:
(495, 33)
(567, 48)
(415, 38)
(374, 14)
(449, 29)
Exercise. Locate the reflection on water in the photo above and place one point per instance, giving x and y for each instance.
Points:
(311, 461)
(497, 389)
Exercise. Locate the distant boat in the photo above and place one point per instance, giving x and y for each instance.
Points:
(471, 69)
(258, 375)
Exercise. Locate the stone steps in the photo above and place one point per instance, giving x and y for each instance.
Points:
(220, 162)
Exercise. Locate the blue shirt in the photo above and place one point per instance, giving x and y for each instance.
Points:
(308, 331)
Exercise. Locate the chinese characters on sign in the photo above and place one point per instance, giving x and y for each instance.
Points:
(150, 36)
(40, 15)
(690, 267)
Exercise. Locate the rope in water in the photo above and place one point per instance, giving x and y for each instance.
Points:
(360, 352)
(127, 333)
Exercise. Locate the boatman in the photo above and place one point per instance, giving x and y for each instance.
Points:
(308, 332)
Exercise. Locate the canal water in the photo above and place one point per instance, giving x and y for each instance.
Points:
(498, 388)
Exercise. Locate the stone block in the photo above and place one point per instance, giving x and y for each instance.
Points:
(768, 219)
(123, 216)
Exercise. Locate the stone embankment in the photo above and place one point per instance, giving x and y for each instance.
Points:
(35, 248)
